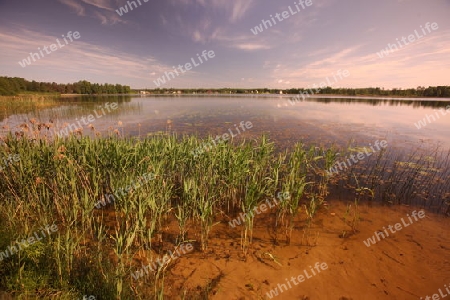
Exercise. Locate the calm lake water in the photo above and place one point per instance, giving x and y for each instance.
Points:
(415, 169)
(318, 120)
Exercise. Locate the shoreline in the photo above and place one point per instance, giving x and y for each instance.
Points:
(292, 95)
(287, 96)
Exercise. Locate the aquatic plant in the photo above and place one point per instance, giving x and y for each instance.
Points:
(60, 181)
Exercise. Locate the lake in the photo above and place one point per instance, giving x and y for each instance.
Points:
(317, 120)
(414, 169)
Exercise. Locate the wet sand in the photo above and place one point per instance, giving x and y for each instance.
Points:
(408, 264)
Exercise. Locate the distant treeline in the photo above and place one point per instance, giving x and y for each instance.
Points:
(10, 86)
(432, 91)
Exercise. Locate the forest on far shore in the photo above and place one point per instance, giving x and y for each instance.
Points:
(432, 91)
(11, 86)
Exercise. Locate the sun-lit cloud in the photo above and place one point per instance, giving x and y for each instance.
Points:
(103, 10)
(103, 4)
(75, 6)
(251, 47)
(214, 13)
(77, 56)
(414, 65)
(239, 9)
(241, 42)
(235, 9)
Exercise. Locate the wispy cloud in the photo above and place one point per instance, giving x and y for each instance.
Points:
(421, 64)
(238, 8)
(213, 16)
(75, 6)
(241, 42)
(102, 10)
(108, 18)
(103, 4)
(235, 9)
(251, 47)
(78, 56)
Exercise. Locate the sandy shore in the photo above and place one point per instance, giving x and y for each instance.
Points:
(411, 263)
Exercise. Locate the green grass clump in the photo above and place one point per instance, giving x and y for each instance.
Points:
(61, 182)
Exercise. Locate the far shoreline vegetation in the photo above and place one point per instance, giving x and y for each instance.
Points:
(16, 86)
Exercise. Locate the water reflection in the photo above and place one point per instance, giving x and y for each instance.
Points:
(69, 110)
(322, 120)
(319, 121)
(391, 102)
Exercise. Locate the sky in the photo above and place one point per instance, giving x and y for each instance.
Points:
(308, 43)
